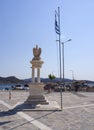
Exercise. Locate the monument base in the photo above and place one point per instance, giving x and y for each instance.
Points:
(35, 100)
(53, 105)
(36, 94)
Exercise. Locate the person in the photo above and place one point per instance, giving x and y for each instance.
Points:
(9, 94)
(49, 88)
(76, 88)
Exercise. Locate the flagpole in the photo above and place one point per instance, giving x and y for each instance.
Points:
(60, 55)
(59, 41)
(57, 29)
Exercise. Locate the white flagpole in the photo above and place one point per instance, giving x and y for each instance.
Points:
(59, 40)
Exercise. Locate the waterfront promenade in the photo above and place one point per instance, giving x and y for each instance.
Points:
(77, 113)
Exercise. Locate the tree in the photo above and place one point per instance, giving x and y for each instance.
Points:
(51, 76)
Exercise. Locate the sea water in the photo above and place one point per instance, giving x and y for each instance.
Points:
(6, 86)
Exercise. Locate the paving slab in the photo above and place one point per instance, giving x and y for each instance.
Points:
(9, 120)
(77, 113)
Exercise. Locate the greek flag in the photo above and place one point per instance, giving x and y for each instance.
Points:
(57, 27)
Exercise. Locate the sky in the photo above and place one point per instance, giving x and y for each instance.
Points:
(25, 23)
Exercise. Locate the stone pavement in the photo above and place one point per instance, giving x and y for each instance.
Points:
(77, 113)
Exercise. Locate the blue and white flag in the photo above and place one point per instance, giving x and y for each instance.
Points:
(57, 27)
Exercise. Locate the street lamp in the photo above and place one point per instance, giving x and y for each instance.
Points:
(63, 55)
(63, 65)
(72, 75)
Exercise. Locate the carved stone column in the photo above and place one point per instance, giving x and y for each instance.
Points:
(33, 75)
(38, 75)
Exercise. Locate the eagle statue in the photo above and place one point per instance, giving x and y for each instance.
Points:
(36, 53)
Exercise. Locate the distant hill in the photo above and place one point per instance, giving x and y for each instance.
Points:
(27, 80)
(48, 80)
(55, 80)
(45, 80)
(11, 79)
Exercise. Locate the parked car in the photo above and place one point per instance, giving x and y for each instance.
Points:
(20, 87)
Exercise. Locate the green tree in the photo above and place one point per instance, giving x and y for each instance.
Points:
(51, 76)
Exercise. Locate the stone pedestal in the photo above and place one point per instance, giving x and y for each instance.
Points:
(36, 94)
(36, 88)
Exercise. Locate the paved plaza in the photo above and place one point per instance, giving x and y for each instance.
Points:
(77, 113)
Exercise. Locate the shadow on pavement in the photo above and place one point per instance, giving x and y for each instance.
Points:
(7, 113)
(12, 112)
(5, 122)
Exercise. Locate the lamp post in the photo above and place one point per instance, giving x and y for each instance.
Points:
(63, 66)
(72, 75)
